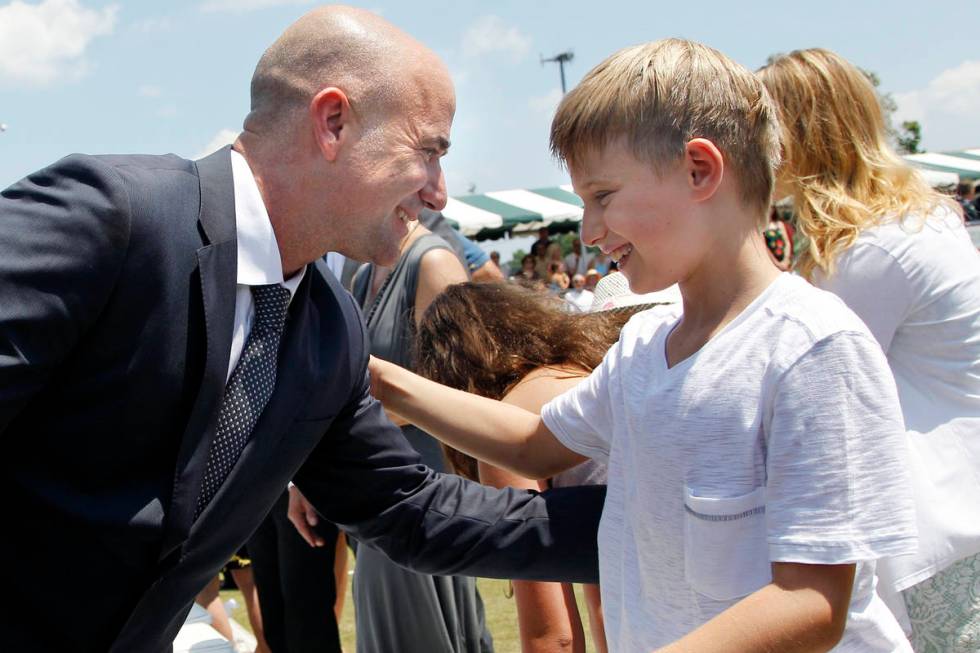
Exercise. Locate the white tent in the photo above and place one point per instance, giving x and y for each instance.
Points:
(947, 168)
(490, 215)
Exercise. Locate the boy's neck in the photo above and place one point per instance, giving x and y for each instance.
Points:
(734, 273)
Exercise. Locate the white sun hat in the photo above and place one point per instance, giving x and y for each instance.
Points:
(613, 291)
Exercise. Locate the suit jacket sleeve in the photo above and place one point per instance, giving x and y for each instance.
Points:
(63, 237)
(365, 477)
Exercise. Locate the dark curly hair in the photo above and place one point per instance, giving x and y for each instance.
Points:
(485, 337)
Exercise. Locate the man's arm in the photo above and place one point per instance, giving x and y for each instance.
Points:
(505, 435)
(365, 477)
(803, 610)
(481, 268)
(64, 232)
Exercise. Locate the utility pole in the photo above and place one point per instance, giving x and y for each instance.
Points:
(561, 58)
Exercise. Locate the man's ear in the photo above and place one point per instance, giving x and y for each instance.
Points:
(331, 115)
(705, 167)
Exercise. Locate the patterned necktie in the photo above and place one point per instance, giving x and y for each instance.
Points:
(248, 389)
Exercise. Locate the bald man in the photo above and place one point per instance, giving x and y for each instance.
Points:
(172, 353)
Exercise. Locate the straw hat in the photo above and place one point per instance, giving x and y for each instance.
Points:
(613, 291)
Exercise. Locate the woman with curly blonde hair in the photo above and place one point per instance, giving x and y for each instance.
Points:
(896, 252)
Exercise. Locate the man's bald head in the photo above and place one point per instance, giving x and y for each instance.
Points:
(352, 49)
(350, 117)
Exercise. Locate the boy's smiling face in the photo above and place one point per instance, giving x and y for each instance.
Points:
(647, 222)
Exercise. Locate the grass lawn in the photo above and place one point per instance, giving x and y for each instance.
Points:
(501, 616)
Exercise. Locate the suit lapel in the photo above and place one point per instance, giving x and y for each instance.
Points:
(218, 269)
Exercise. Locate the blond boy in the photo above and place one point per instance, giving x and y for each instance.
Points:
(755, 445)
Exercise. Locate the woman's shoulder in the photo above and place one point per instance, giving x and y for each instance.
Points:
(941, 222)
(915, 241)
(541, 385)
(559, 371)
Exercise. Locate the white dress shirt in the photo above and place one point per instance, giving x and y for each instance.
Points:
(259, 262)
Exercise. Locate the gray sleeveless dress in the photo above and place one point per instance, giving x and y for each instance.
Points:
(396, 610)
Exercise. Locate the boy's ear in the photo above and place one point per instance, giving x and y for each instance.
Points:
(705, 167)
(330, 112)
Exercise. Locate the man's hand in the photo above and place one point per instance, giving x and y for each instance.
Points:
(304, 517)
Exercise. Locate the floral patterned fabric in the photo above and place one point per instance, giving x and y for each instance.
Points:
(945, 610)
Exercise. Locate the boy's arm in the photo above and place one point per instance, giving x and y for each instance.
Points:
(803, 609)
(505, 435)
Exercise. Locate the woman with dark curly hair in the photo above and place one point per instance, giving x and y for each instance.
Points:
(507, 342)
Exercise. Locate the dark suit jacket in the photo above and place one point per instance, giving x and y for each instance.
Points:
(117, 287)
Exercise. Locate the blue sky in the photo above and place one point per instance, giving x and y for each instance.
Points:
(99, 77)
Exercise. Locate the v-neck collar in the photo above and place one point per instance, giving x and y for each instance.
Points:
(743, 315)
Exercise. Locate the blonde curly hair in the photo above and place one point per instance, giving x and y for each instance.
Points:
(837, 162)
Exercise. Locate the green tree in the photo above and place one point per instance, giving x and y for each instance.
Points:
(909, 137)
(515, 261)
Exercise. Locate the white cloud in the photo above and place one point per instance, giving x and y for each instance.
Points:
(489, 35)
(546, 103)
(909, 106)
(459, 76)
(948, 108)
(222, 138)
(956, 91)
(167, 111)
(149, 90)
(243, 6)
(149, 25)
(42, 43)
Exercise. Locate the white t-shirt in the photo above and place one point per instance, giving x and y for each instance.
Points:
(916, 284)
(780, 440)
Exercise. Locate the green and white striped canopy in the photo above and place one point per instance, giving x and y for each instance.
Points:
(963, 164)
(490, 215)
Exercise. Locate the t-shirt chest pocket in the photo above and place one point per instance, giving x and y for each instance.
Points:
(726, 555)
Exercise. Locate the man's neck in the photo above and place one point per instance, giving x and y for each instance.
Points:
(276, 191)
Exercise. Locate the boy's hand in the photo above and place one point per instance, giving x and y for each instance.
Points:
(380, 371)
(376, 369)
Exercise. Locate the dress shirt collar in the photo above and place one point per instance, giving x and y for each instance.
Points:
(258, 251)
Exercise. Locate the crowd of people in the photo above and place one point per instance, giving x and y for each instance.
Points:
(968, 196)
(763, 447)
(572, 276)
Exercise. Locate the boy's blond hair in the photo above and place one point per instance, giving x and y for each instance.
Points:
(660, 95)
(845, 176)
